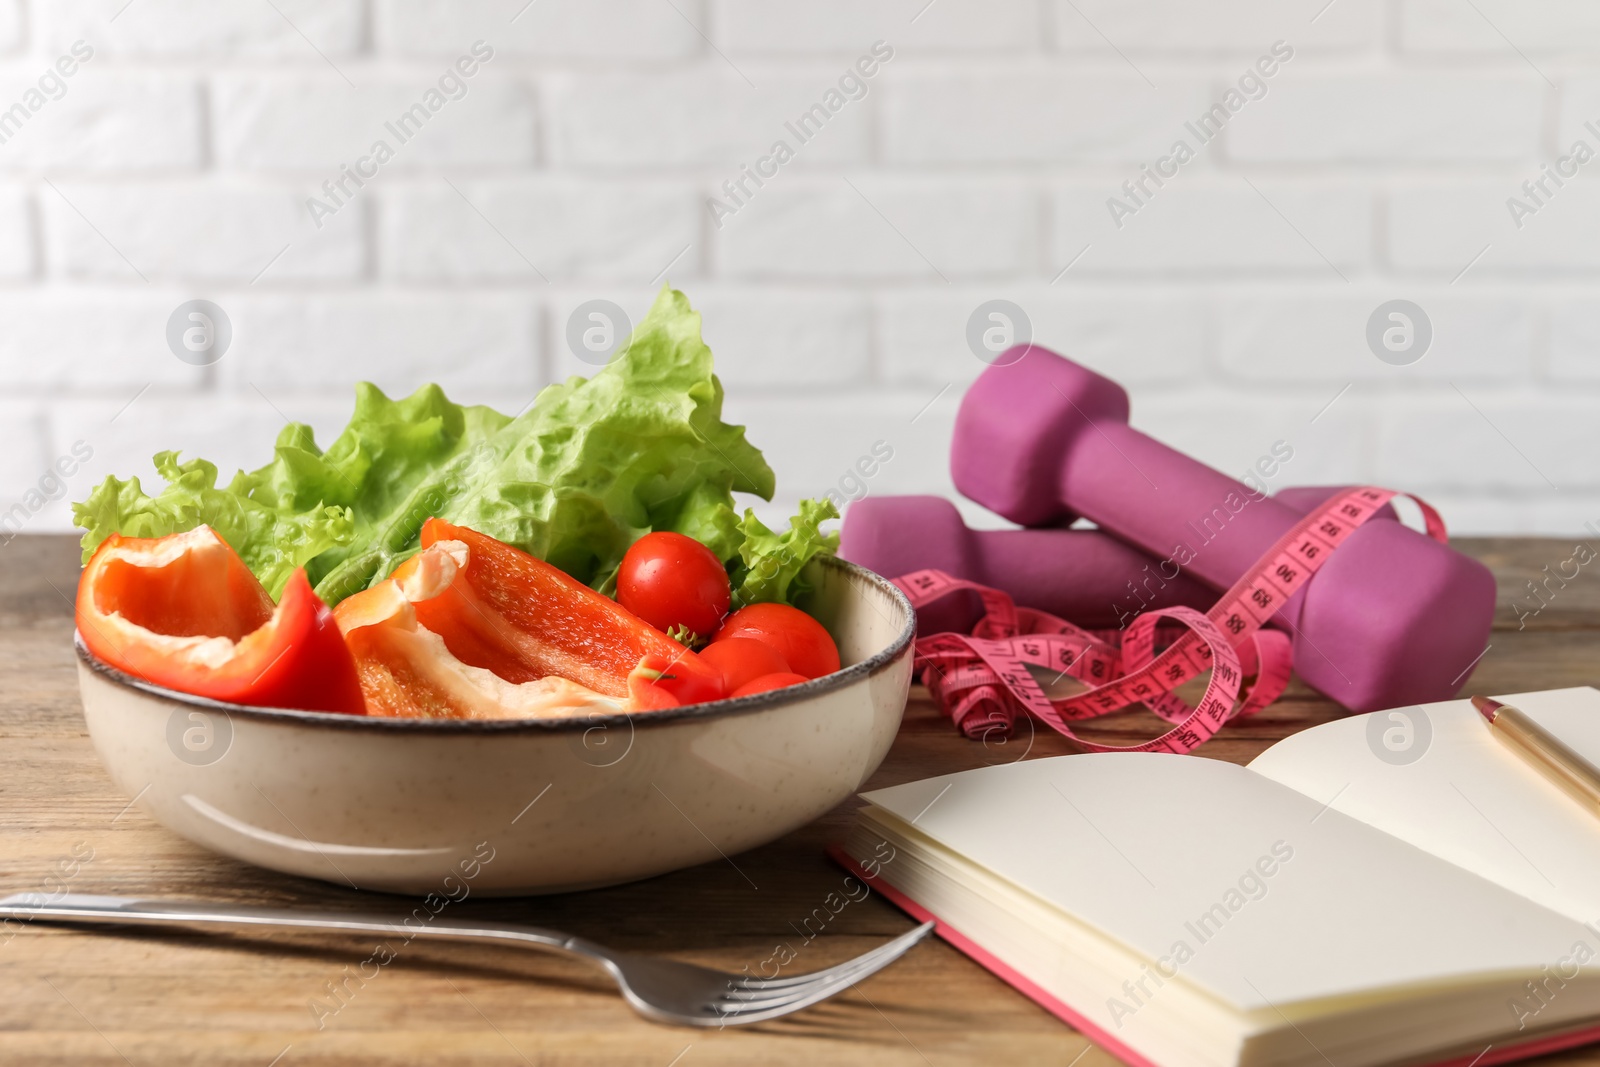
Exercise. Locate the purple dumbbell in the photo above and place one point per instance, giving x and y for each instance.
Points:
(1085, 576)
(1392, 618)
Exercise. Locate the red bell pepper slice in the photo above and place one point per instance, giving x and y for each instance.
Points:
(407, 671)
(184, 612)
(523, 619)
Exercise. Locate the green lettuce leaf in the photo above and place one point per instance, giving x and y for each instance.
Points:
(272, 542)
(398, 463)
(770, 563)
(596, 463)
(590, 466)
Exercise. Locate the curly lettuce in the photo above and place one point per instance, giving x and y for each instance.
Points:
(590, 466)
(770, 563)
(272, 541)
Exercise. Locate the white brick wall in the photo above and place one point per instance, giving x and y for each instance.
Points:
(706, 118)
(993, 114)
(202, 30)
(618, 32)
(519, 229)
(204, 231)
(16, 234)
(976, 164)
(1393, 119)
(314, 122)
(110, 121)
(1176, 28)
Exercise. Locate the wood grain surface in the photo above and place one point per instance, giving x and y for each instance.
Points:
(76, 998)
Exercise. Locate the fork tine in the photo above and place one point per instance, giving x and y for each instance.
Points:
(739, 1012)
(765, 1003)
(895, 948)
(841, 976)
(862, 964)
(799, 995)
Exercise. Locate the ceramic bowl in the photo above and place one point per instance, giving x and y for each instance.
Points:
(513, 807)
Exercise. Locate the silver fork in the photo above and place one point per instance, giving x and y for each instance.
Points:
(663, 990)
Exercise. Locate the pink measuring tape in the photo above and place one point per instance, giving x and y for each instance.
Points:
(983, 681)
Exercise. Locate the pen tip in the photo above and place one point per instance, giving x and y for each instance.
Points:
(1486, 707)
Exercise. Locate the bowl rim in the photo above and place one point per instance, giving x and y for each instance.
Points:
(715, 709)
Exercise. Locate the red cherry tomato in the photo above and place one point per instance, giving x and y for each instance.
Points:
(779, 680)
(799, 639)
(742, 660)
(670, 682)
(670, 580)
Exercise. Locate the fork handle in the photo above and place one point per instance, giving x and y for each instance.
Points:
(128, 911)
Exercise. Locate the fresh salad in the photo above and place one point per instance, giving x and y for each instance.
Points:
(446, 561)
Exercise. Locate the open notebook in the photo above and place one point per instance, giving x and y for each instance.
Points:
(1329, 903)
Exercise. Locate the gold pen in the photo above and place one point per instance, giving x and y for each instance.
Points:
(1543, 751)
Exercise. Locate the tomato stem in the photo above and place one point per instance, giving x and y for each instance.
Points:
(686, 637)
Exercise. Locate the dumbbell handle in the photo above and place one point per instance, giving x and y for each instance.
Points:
(1101, 580)
(1084, 575)
(1168, 504)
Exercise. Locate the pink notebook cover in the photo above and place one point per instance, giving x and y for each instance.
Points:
(1522, 1050)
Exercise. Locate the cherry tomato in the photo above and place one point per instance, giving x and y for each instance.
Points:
(779, 680)
(799, 639)
(742, 660)
(670, 580)
(670, 682)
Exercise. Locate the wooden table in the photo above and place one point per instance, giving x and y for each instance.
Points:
(75, 998)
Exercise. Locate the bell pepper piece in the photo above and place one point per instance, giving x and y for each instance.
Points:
(523, 618)
(184, 612)
(408, 671)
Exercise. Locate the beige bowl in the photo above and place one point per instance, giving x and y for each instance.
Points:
(530, 806)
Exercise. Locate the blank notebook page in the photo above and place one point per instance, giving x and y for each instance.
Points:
(1142, 845)
(1467, 798)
